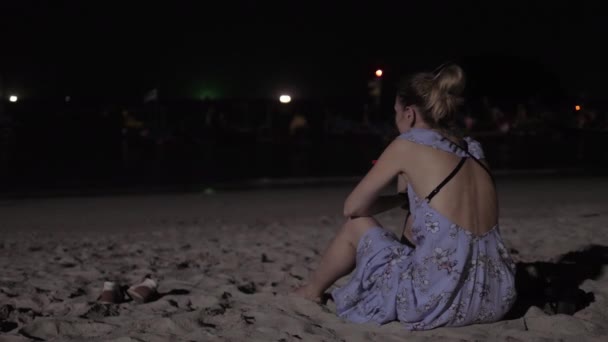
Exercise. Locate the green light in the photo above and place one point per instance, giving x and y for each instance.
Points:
(208, 93)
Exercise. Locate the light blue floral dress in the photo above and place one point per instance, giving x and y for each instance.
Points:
(451, 278)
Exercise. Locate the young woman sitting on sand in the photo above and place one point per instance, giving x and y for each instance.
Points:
(452, 268)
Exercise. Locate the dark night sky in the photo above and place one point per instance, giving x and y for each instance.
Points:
(88, 48)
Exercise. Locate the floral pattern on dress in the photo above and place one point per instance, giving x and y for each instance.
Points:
(418, 235)
(453, 231)
(403, 300)
(366, 248)
(458, 312)
(432, 226)
(441, 258)
(508, 298)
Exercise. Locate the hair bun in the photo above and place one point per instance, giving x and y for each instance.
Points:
(438, 94)
(449, 79)
(445, 93)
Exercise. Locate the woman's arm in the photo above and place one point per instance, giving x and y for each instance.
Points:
(365, 194)
(388, 202)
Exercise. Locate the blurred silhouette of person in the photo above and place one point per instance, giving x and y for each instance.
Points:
(298, 124)
(500, 120)
(521, 120)
(132, 131)
(110, 128)
(299, 138)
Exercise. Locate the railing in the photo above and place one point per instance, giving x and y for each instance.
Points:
(88, 160)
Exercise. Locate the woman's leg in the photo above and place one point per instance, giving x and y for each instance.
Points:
(339, 258)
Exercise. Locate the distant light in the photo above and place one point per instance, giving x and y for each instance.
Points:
(13, 98)
(577, 108)
(68, 98)
(285, 98)
(379, 73)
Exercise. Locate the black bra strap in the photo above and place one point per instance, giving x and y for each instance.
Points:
(466, 150)
(446, 180)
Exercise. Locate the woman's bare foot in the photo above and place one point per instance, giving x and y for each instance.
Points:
(307, 293)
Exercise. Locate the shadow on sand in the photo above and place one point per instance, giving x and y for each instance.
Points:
(554, 287)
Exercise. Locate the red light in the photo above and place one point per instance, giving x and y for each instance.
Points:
(577, 108)
(379, 73)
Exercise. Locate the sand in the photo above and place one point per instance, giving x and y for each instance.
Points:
(225, 264)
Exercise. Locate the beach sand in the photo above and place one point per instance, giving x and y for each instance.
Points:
(226, 262)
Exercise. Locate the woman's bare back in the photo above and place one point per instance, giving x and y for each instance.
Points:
(468, 199)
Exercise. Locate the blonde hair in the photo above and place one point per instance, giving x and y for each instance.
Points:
(438, 94)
